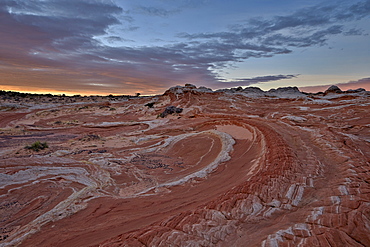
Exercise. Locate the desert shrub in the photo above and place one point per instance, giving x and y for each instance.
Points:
(83, 107)
(90, 137)
(150, 105)
(37, 146)
(104, 107)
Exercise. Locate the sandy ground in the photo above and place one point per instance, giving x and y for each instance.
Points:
(230, 170)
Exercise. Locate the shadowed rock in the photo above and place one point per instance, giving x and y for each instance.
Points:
(285, 90)
(150, 105)
(170, 110)
(358, 90)
(255, 90)
(333, 89)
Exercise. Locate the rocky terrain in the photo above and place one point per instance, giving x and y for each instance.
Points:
(191, 167)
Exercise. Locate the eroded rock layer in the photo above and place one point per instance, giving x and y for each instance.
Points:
(231, 169)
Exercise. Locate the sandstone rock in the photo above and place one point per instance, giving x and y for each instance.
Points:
(250, 168)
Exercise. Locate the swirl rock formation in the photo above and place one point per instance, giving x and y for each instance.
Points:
(235, 167)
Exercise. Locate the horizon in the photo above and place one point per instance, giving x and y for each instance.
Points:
(310, 89)
(123, 48)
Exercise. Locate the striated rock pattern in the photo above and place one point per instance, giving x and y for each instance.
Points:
(236, 167)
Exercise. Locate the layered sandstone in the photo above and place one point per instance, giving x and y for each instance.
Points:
(236, 167)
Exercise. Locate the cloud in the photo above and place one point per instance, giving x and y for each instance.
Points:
(52, 44)
(361, 83)
(166, 8)
(260, 79)
(155, 11)
(254, 80)
(355, 32)
(112, 39)
(54, 26)
(65, 18)
(303, 28)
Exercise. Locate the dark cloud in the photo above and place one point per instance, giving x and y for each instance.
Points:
(268, 78)
(169, 7)
(254, 80)
(155, 11)
(114, 39)
(192, 3)
(65, 18)
(54, 26)
(306, 27)
(53, 41)
(359, 10)
(355, 32)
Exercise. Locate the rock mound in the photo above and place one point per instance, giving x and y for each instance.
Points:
(333, 89)
(253, 90)
(285, 92)
(187, 88)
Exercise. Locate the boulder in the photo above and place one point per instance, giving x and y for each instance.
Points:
(170, 110)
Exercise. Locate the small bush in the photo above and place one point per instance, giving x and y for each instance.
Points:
(90, 137)
(37, 146)
(83, 107)
(150, 105)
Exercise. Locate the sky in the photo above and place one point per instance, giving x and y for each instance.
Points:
(91, 47)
